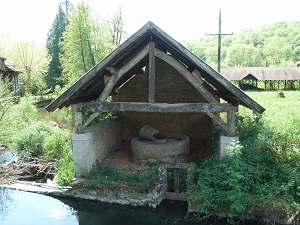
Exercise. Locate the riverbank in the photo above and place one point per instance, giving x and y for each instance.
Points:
(37, 176)
(12, 176)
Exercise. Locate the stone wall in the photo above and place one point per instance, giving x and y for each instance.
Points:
(171, 87)
(94, 145)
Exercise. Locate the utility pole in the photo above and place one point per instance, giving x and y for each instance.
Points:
(219, 41)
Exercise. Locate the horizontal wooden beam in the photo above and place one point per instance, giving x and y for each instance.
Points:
(152, 107)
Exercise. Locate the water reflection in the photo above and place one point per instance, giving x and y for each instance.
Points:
(5, 202)
(18, 207)
(29, 208)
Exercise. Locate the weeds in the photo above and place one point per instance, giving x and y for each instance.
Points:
(139, 179)
(258, 179)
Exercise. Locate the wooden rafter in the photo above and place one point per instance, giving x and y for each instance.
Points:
(113, 80)
(193, 77)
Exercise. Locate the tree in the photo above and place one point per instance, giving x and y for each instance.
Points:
(33, 61)
(86, 41)
(53, 42)
(278, 52)
(243, 55)
(275, 45)
(116, 28)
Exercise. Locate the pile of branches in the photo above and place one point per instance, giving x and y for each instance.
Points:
(33, 169)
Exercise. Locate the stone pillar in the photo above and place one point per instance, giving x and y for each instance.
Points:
(224, 142)
(83, 153)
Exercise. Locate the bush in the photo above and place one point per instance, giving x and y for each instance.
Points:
(42, 140)
(56, 145)
(256, 180)
(18, 117)
(65, 172)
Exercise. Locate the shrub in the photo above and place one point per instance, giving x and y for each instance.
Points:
(56, 145)
(18, 117)
(65, 172)
(256, 180)
(41, 140)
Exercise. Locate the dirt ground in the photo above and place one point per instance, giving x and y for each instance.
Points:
(123, 159)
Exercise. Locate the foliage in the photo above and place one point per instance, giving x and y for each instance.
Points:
(32, 61)
(7, 99)
(56, 144)
(136, 178)
(53, 47)
(65, 172)
(274, 45)
(116, 28)
(255, 180)
(41, 140)
(18, 117)
(86, 42)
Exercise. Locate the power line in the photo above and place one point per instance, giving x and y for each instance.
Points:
(219, 41)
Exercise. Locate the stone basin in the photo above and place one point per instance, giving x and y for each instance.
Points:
(173, 149)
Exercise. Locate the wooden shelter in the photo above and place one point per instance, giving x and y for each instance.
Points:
(10, 73)
(153, 79)
(273, 78)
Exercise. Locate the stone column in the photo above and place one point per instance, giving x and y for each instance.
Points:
(83, 153)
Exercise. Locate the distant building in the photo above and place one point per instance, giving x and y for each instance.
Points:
(11, 74)
(267, 78)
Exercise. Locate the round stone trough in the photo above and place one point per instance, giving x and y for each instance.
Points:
(174, 148)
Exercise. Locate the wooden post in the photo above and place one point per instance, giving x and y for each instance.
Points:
(151, 72)
(79, 120)
(190, 177)
(231, 131)
(163, 177)
(176, 180)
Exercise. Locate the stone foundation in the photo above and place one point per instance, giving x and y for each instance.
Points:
(224, 143)
(94, 145)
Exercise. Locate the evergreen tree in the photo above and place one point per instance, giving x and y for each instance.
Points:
(53, 46)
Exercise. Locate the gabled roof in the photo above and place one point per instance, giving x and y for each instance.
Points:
(91, 84)
(262, 73)
(6, 68)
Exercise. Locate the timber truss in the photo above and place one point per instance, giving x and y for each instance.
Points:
(212, 108)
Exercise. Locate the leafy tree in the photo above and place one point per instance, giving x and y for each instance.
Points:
(86, 41)
(53, 42)
(33, 61)
(243, 55)
(275, 45)
(278, 52)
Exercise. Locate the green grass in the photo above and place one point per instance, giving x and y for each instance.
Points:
(278, 110)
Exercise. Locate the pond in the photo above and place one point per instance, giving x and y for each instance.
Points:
(19, 207)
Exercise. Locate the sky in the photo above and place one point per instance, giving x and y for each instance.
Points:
(30, 20)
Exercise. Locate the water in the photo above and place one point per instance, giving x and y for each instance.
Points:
(7, 157)
(19, 207)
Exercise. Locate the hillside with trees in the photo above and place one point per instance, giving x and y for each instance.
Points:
(275, 45)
